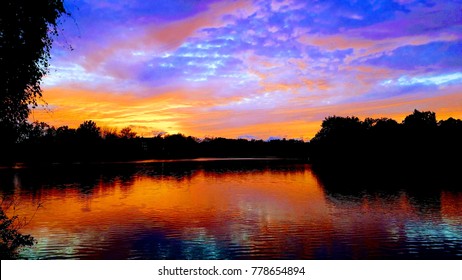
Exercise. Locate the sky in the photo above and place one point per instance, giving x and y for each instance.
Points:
(251, 69)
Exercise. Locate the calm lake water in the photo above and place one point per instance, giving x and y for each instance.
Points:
(238, 209)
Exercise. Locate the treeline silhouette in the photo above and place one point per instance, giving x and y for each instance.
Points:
(40, 142)
(419, 143)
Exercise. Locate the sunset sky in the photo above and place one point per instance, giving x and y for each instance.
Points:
(252, 69)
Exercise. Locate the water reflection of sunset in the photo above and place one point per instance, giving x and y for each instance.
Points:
(203, 206)
(194, 211)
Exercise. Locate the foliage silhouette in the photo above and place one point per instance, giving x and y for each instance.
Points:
(419, 144)
(43, 143)
(27, 29)
(11, 240)
(127, 133)
(88, 131)
(420, 120)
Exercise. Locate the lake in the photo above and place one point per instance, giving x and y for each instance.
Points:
(229, 209)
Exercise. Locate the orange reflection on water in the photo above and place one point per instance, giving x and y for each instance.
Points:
(252, 210)
(198, 213)
(451, 206)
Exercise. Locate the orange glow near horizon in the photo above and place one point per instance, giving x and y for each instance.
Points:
(175, 112)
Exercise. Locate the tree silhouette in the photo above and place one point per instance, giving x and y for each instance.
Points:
(385, 124)
(420, 120)
(88, 131)
(127, 133)
(418, 144)
(27, 29)
(64, 133)
(109, 133)
(335, 128)
(344, 142)
(11, 240)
